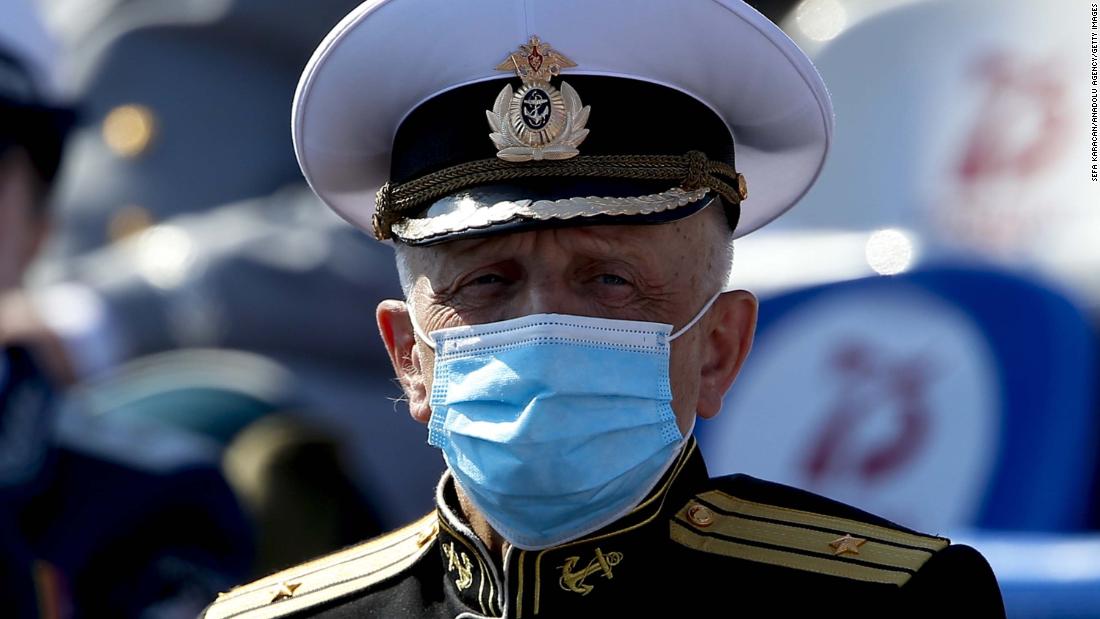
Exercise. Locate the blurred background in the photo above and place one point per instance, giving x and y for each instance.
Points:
(193, 392)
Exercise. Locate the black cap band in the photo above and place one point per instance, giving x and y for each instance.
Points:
(639, 140)
(629, 117)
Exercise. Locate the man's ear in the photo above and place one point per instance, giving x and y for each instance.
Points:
(726, 344)
(397, 332)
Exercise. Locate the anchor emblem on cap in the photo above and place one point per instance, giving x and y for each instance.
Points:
(537, 121)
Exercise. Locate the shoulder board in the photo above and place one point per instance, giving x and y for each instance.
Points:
(719, 523)
(343, 572)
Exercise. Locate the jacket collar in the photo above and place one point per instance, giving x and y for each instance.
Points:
(487, 586)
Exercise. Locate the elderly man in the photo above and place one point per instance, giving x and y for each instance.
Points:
(567, 318)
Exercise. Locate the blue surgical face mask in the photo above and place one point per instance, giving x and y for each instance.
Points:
(554, 425)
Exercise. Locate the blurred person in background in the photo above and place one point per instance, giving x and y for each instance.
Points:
(181, 222)
(96, 520)
(32, 130)
(154, 247)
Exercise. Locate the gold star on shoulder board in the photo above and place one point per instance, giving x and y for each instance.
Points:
(284, 590)
(846, 544)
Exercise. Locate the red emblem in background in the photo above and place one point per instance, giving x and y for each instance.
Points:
(998, 188)
(1023, 121)
(871, 386)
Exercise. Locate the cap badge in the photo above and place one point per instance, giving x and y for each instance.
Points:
(538, 121)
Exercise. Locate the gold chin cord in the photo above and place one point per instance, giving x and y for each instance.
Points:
(692, 170)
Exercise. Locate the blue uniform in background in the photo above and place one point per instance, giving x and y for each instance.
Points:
(107, 522)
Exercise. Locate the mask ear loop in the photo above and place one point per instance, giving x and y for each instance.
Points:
(416, 327)
(690, 324)
(691, 429)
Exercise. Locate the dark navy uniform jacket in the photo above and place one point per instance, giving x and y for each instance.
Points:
(84, 533)
(726, 547)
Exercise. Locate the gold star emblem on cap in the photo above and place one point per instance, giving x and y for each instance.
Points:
(284, 590)
(846, 544)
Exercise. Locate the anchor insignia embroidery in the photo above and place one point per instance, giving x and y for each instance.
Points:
(457, 560)
(574, 581)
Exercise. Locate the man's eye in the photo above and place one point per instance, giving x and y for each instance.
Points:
(488, 278)
(611, 280)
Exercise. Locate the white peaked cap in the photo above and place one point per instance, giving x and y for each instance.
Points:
(389, 56)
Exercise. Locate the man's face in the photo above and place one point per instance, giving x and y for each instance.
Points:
(21, 225)
(655, 273)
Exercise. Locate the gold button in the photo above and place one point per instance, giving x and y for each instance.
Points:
(700, 515)
(426, 536)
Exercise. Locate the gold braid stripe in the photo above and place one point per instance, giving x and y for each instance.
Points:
(692, 170)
